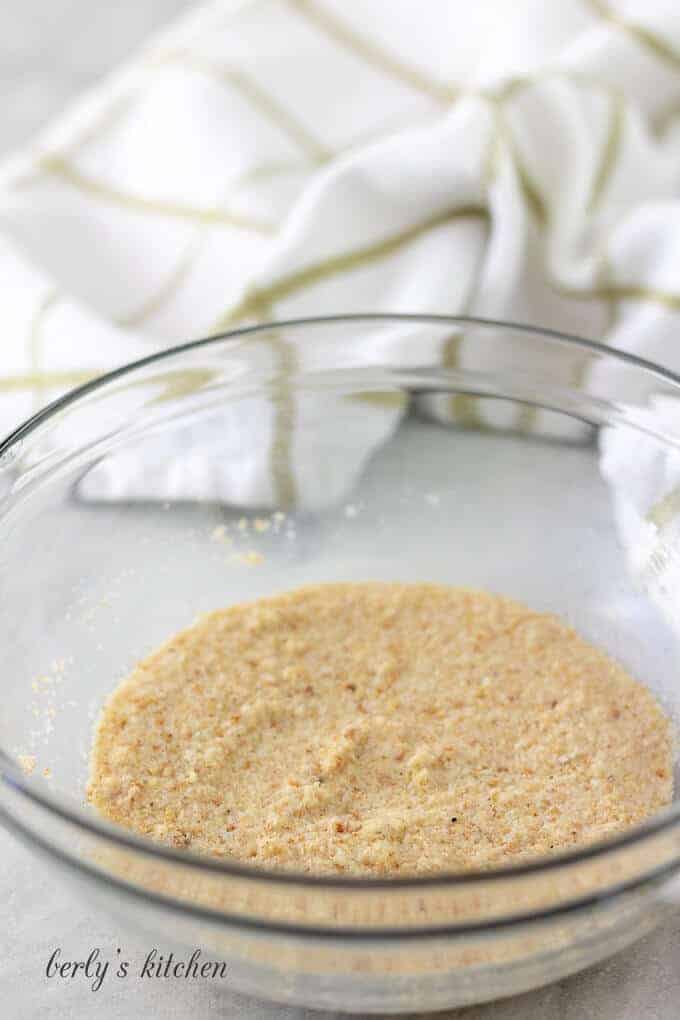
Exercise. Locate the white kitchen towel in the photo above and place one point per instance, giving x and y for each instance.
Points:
(269, 159)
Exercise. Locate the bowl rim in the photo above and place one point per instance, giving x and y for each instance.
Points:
(59, 806)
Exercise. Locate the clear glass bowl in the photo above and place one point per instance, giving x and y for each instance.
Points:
(369, 447)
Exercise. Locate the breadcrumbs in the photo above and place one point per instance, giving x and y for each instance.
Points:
(379, 729)
(27, 763)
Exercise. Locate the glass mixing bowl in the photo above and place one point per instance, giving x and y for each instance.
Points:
(371, 447)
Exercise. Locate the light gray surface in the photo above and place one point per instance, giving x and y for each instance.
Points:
(49, 51)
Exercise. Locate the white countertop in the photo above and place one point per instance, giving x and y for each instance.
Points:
(49, 52)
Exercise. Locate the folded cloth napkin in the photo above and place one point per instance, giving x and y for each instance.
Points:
(271, 159)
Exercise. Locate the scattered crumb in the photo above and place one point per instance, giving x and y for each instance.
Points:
(219, 534)
(47, 773)
(242, 524)
(26, 763)
(252, 557)
(262, 524)
(374, 728)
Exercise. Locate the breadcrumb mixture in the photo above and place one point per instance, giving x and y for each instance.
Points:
(380, 728)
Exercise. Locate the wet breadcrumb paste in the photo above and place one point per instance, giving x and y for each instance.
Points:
(380, 728)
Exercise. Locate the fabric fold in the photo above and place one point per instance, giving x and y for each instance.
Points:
(270, 159)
